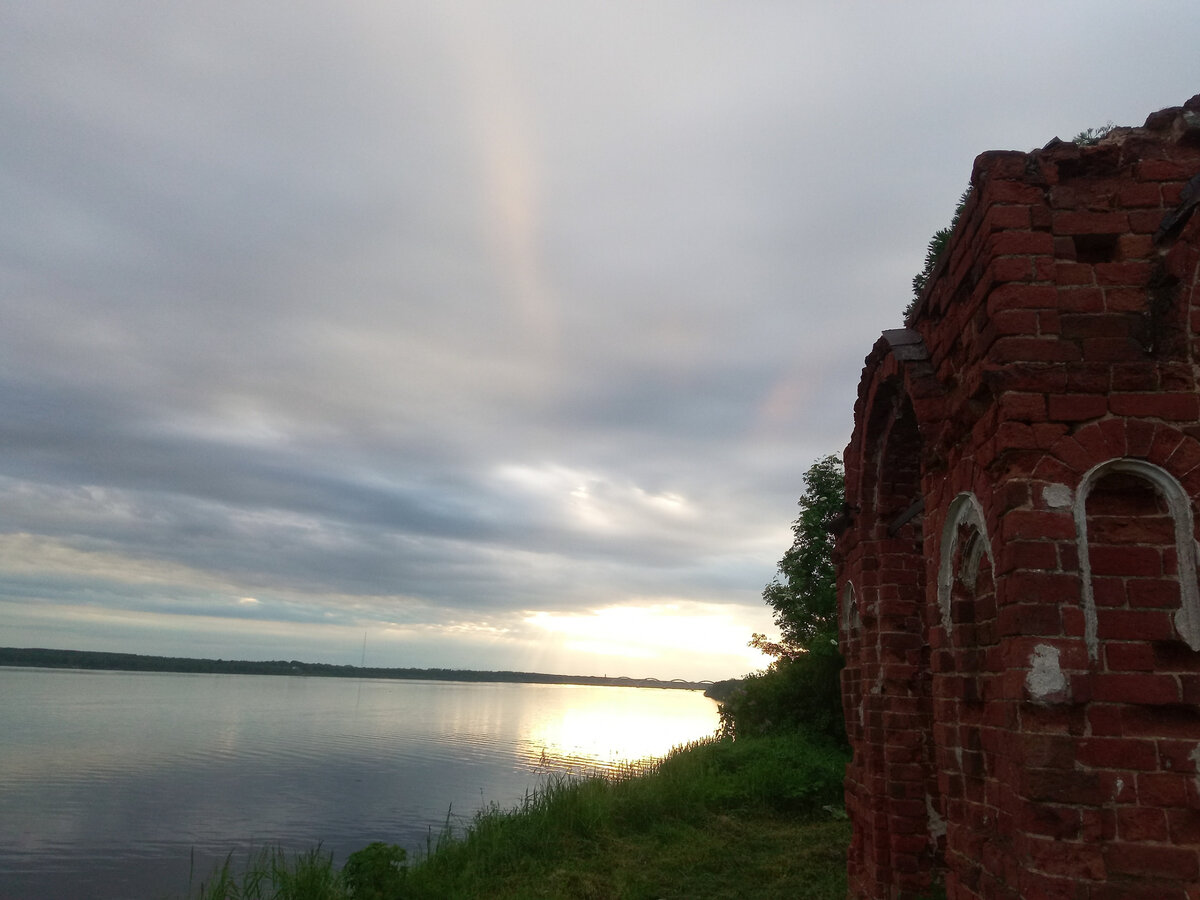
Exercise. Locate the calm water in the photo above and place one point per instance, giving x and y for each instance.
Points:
(114, 785)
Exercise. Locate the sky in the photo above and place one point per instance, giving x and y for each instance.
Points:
(476, 335)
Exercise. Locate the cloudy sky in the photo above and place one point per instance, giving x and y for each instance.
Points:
(488, 335)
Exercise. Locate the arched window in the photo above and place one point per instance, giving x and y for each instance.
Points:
(851, 620)
(1137, 548)
(965, 510)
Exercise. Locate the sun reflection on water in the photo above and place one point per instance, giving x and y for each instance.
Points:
(604, 730)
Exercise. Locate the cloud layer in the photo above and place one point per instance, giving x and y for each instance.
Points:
(474, 328)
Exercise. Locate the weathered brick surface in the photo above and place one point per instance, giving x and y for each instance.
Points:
(1022, 681)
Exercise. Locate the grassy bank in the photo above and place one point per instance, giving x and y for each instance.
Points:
(752, 818)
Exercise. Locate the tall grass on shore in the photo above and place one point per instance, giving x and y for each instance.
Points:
(753, 817)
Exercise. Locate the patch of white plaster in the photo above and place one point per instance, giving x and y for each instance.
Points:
(937, 825)
(877, 687)
(1045, 677)
(1057, 496)
(1120, 787)
(1194, 756)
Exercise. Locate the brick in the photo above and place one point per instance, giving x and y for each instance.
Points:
(1134, 246)
(1059, 822)
(1147, 194)
(1166, 441)
(1123, 299)
(1012, 268)
(1087, 378)
(1140, 889)
(1015, 217)
(1139, 437)
(1176, 756)
(1029, 555)
(1141, 688)
(1126, 524)
(1128, 657)
(1023, 406)
(1014, 243)
(1104, 719)
(1031, 524)
(1074, 274)
(1160, 593)
(1049, 322)
(1140, 823)
(1112, 349)
(1183, 825)
(1123, 560)
(1185, 457)
(1134, 625)
(1013, 192)
(1020, 295)
(1051, 751)
(1074, 787)
(1145, 221)
(1164, 722)
(1081, 299)
(1070, 860)
(1117, 753)
(1163, 170)
(1149, 860)
(1038, 590)
(1109, 591)
(1114, 433)
(1076, 407)
(1090, 223)
(1131, 272)
(1014, 321)
(1078, 327)
(1176, 407)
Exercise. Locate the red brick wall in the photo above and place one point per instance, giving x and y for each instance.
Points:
(1021, 621)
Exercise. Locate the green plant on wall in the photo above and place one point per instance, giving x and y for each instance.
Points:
(937, 244)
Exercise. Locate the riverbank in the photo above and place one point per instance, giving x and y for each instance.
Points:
(40, 657)
(753, 818)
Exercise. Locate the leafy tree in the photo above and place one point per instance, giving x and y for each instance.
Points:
(795, 693)
(804, 591)
(800, 690)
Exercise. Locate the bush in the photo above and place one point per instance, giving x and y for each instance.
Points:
(800, 693)
(376, 872)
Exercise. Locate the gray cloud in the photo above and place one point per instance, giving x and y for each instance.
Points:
(445, 313)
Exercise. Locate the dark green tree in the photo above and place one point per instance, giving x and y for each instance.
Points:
(803, 592)
(800, 690)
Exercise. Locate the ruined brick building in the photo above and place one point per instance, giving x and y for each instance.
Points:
(1020, 614)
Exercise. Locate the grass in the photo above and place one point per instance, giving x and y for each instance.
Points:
(752, 818)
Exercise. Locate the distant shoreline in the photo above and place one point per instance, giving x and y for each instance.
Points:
(38, 657)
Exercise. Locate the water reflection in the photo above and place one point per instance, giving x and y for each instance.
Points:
(603, 732)
(100, 769)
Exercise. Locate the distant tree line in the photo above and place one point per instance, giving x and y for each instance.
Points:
(133, 662)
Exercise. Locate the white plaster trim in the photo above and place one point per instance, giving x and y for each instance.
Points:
(851, 620)
(964, 509)
(1187, 619)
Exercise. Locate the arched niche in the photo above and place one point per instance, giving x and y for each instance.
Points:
(851, 619)
(1179, 507)
(964, 510)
